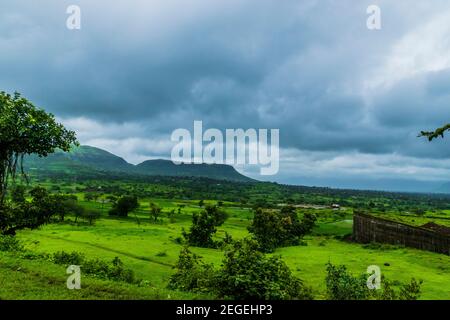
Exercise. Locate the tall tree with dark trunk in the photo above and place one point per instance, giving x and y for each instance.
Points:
(24, 130)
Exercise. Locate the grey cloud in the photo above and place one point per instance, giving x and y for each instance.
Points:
(148, 67)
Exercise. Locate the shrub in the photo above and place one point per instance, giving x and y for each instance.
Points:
(72, 258)
(341, 285)
(99, 268)
(247, 273)
(10, 243)
(191, 273)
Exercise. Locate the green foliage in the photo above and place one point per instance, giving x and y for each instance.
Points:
(247, 273)
(112, 271)
(267, 229)
(124, 206)
(220, 216)
(204, 226)
(273, 229)
(341, 285)
(10, 243)
(191, 273)
(435, 134)
(155, 211)
(32, 214)
(66, 258)
(18, 194)
(90, 216)
(25, 129)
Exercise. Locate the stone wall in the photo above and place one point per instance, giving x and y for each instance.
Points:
(367, 228)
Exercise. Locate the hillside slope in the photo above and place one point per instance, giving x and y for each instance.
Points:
(91, 160)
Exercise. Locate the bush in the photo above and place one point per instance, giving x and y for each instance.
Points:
(191, 273)
(247, 273)
(10, 243)
(113, 271)
(341, 285)
(65, 258)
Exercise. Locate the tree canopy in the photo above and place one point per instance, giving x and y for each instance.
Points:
(26, 129)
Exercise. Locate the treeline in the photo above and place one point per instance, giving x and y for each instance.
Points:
(250, 194)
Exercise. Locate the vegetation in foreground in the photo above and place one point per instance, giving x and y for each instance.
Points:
(258, 240)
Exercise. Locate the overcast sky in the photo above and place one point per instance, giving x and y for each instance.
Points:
(349, 101)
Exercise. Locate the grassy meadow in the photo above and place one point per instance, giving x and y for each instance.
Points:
(151, 250)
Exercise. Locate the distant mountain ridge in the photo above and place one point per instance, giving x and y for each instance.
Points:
(85, 159)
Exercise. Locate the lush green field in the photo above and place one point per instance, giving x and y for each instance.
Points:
(151, 250)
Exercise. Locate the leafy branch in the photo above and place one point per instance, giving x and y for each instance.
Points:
(431, 135)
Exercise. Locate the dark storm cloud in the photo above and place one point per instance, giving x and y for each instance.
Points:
(139, 69)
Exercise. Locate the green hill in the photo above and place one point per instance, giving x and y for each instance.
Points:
(168, 168)
(88, 160)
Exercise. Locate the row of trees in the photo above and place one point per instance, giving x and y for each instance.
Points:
(40, 208)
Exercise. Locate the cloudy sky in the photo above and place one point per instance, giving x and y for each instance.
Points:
(349, 101)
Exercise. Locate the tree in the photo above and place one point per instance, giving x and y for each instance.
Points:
(267, 229)
(155, 211)
(219, 215)
(201, 203)
(308, 222)
(202, 229)
(30, 214)
(66, 204)
(171, 215)
(204, 226)
(90, 216)
(24, 130)
(89, 196)
(274, 229)
(124, 206)
(18, 194)
(431, 135)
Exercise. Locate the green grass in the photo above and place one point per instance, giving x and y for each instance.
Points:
(22, 279)
(151, 251)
